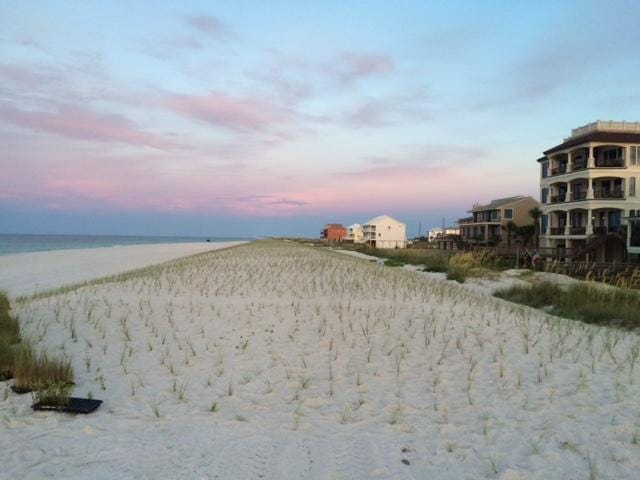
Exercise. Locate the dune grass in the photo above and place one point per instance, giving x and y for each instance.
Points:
(587, 303)
(9, 336)
(35, 371)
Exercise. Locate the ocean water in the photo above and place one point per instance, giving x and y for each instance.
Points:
(13, 243)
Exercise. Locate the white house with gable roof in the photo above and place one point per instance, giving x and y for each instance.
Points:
(385, 232)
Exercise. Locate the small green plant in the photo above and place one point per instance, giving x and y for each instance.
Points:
(53, 394)
(393, 263)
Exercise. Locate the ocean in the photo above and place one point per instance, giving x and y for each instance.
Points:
(14, 243)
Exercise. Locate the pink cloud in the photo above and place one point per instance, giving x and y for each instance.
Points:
(239, 114)
(83, 124)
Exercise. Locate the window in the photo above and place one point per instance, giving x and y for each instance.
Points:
(613, 154)
(543, 196)
(634, 155)
(632, 186)
(508, 213)
(545, 221)
(545, 170)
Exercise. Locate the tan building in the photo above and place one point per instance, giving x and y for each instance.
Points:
(485, 225)
(384, 232)
(588, 192)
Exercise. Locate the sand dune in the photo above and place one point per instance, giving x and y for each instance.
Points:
(281, 361)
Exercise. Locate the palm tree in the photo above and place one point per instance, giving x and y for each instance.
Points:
(536, 213)
(510, 227)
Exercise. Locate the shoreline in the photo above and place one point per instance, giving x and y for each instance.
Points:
(29, 273)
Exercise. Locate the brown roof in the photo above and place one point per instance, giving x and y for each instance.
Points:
(609, 137)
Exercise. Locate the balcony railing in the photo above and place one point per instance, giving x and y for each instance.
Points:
(558, 198)
(601, 193)
(559, 170)
(578, 230)
(578, 166)
(556, 231)
(609, 229)
(610, 163)
(578, 196)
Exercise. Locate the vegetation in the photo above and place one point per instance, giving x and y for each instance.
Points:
(54, 395)
(535, 213)
(9, 336)
(38, 372)
(590, 304)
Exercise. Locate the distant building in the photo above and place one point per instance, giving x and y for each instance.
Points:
(385, 232)
(354, 234)
(485, 225)
(435, 233)
(333, 232)
(588, 193)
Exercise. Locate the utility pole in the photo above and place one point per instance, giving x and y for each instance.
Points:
(419, 229)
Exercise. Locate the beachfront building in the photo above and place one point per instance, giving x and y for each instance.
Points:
(589, 195)
(354, 234)
(435, 233)
(487, 223)
(385, 232)
(334, 232)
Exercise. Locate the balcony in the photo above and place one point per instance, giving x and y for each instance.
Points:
(577, 230)
(610, 163)
(557, 198)
(559, 170)
(556, 231)
(575, 196)
(579, 166)
(599, 193)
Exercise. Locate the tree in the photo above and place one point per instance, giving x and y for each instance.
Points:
(536, 213)
(510, 228)
(525, 234)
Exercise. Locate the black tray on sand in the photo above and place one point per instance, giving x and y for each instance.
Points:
(75, 405)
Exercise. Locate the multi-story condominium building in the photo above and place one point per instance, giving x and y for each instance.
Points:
(588, 192)
(333, 232)
(354, 234)
(385, 232)
(485, 225)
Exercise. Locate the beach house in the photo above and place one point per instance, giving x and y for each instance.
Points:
(334, 232)
(589, 195)
(385, 232)
(487, 223)
(435, 233)
(354, 234)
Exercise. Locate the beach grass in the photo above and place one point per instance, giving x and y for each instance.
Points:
(33, 371)
(588, 303)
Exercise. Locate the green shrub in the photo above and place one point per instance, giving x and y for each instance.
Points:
(435, 268)
(456, 273)
(393, 263)
(55, 394)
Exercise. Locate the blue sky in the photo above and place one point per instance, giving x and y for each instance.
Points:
(265, 118)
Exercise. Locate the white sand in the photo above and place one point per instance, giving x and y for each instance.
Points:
(338, 368)
(28, 273)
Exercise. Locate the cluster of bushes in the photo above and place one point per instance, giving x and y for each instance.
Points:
(462, 264)
(51, 379)
(588, 303)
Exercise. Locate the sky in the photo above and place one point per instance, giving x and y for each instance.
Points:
(273, 118)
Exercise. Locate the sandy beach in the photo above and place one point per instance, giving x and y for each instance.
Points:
(275, 360)
(28, 273)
